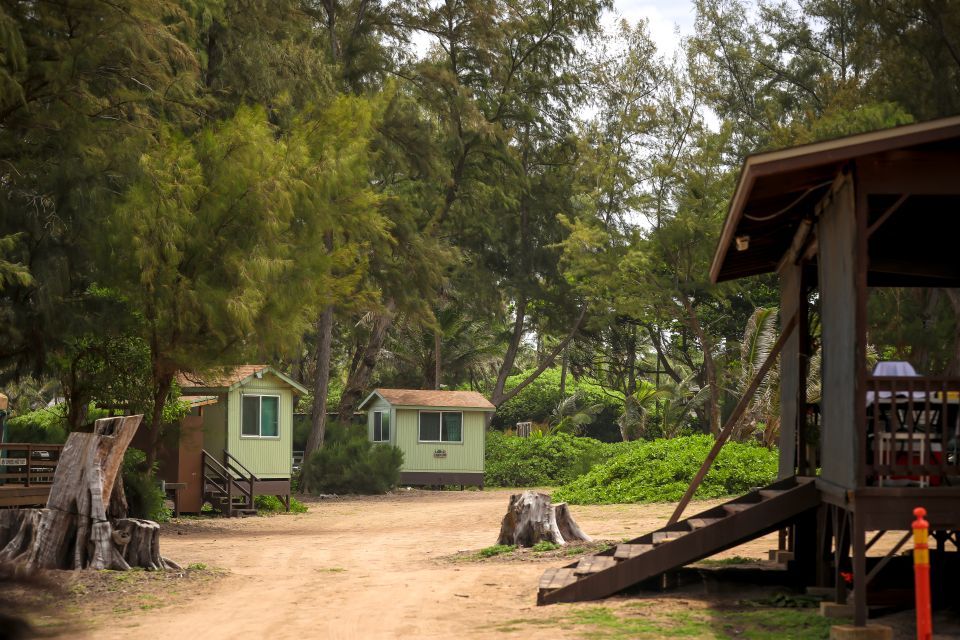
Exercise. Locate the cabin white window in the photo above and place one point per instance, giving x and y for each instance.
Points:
(441, 426)
(260, 416)
(381, 426)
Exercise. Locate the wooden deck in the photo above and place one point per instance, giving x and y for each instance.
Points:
(27, 473)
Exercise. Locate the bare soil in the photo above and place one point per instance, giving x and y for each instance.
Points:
(396, 566)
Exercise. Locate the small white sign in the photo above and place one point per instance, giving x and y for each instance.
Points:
(13, 462)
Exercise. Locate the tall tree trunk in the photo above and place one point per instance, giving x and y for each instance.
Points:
(708, 364)
(321, 383)
(360, 375)
(436, 359)
(563, 375)
(161, 389)
(499, 395)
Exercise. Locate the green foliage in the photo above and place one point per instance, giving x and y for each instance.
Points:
(661, 470)
(349, 463)
(41, 425)
(544, 546)
(145, 498)
(496, 550)
(273, 504)
(196, 566)
(541, 460)
(538, 400)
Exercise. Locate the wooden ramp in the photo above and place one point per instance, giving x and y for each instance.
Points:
(699, 536)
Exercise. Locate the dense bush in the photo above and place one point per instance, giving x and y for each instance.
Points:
(538, 399)
(273, 504)
(541, 460)
(349, 463)
(47, 425)
(145, 498)
(661, 470)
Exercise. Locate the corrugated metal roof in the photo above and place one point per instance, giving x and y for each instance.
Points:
(433, 398)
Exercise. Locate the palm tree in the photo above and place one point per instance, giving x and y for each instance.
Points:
(569, 417)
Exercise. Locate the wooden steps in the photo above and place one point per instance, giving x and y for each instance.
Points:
(699, 536)
(627, 551)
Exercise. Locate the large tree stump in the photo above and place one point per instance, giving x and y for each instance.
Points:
(73, 531)
(530, 519)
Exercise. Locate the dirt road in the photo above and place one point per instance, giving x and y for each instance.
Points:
(373, 567)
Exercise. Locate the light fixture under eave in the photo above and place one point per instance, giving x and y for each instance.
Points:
(743, 243)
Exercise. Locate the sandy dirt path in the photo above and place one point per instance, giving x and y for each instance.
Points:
(369, 568)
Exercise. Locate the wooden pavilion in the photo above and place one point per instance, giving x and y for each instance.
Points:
(833, 219)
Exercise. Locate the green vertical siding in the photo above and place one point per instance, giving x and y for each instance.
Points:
(417, 456)
(265, 457)
(215, 427)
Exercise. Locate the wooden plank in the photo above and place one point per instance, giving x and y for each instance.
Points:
(837, 262)
(734, 419)
(700, 523)
(556, 578)
(593, 564)
(738, 507)
(659, 537)
(771, 493)
(626, 551)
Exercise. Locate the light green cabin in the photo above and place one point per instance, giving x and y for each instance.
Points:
(441, 433)
(252, 418)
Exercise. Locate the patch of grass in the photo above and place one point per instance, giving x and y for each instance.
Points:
(647, 620)
(268, 505)
(496, 550)
(332, 570)
(574, 551)
(777, 624)
(196, 566)
(544, 545)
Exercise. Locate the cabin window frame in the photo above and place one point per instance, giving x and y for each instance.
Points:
(441, 440)
(381, 412)
(259, 435)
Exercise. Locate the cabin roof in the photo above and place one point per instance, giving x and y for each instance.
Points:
(432, 398)
(230, 378)
(779, 189)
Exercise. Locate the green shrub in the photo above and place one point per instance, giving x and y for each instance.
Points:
(541, 460)
(349, 463)
(42, 425)
(145, 498)
(537, 401)
(496, 550)
(273, 504)
(544, 546)
(661, 470)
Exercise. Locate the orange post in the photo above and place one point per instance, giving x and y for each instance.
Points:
(921, 574)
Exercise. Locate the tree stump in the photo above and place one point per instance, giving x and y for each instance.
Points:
(73, 531)
(530, 519)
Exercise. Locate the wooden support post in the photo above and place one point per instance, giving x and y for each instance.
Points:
(859, 572)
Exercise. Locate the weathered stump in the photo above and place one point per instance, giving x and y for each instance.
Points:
(73, 531)
(531, 518)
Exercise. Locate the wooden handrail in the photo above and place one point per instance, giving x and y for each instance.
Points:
(734, 418)
(227, 455)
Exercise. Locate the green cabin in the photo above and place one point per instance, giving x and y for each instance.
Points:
(441, 433)
(238, 437)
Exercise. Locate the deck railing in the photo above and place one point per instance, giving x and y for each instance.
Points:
(912, 431)
(28, 464)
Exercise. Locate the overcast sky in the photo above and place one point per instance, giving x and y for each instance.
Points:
(665, 16)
